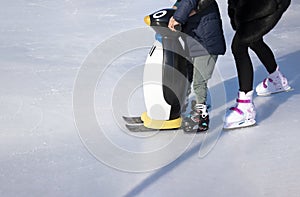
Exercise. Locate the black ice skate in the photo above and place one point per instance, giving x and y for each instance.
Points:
(199, 116)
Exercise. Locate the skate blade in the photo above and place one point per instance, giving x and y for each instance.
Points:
(238, 125)
(287, 89)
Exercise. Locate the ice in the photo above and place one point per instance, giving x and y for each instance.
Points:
(45, 45)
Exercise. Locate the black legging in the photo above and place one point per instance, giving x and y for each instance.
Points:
(244, 64)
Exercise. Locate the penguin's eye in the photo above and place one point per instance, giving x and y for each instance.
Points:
(159, 14)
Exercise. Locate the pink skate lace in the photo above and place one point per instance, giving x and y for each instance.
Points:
(265, 82)
(236, 109)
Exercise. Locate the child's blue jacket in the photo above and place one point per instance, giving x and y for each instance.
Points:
(205, 28)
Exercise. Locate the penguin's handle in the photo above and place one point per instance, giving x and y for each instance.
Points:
(178, 27)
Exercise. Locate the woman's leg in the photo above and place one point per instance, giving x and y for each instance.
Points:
(243, 113)
(265, 54)
(243, 64)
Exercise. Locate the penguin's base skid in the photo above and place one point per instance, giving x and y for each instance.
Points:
(139, 128)
(132, 119)
(142, 128)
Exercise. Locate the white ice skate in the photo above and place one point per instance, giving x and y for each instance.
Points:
(243, 114)
(274, 83)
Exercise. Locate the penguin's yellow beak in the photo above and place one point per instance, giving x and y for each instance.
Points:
(147, 20)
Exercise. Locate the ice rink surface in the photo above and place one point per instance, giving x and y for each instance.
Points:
(49, 148)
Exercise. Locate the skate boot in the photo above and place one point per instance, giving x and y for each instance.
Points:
(274, 83)
(199, 116)
(243, 114)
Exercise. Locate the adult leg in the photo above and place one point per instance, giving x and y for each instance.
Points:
(243, 113)
(265, 54)
(243, 64)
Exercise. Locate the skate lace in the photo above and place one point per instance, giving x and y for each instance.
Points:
(236, 108)
(270, 80)
(265, 82)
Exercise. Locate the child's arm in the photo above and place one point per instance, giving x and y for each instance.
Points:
(185, 9)
(175, 6)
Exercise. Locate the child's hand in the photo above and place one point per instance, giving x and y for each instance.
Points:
(193, 12)
(173, 23)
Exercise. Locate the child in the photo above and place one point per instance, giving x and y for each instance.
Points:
(252, 20)
(201, 21)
